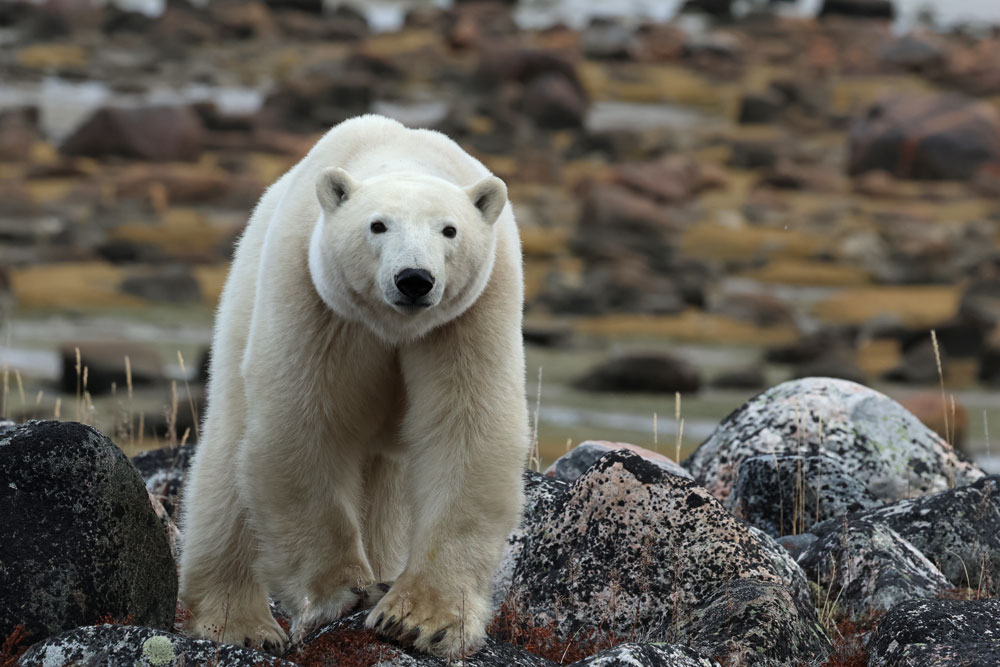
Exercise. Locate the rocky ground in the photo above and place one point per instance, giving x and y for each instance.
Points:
(708, 207)
(755, 551)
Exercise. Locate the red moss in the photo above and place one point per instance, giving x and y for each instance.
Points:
(14, 646)
(848, 644)
(345, 648)
(181, 617)
(543, 641)
(109, 619)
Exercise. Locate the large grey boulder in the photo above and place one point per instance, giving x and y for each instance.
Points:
(578, 460)
(79, 541)
(753, 617)
(629, 550)
(943, 633)
(786, 495)
(958, 529)
(867, 566)
(876, 441)
(646, 655)
(138, 646)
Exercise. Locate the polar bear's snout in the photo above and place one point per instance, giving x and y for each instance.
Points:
(413, 284)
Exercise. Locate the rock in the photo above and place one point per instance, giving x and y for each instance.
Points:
(614, 219)
(155, 133)
(989, 359)
(541, 493)
(836, 362)
(933, 411)
(753, 154)
(965, 653)
(924, 136)
(719, 8)
(18, 133)
(612, 287)
(865, 566)
(166, 284)
(629, 550)
(317, 96)
(547, 334)
(980, 303)
(749, 377)
(788, 494)
(348, 642)
(163, 470)
(646, 655)
(475, 24)
(607, 39)
(240, 20)
(79, 540)
(808, 348)
(878, 442)
(570, 466)
(788, 175)
(641, 372)
(869, 9)
(552, 101)
(674, 178)
(919, 365)
(916, 51)
(498, 65)
(796, 545)
(760, 308)
(758, 618)
(938, 632)
(105, 365)
(760, 107)
(139, 647)
(957, 529)
(180, 184)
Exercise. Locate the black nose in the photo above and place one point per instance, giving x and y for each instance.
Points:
(414, 283)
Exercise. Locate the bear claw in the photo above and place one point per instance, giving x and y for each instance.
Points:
(379, 621)
(438, 636)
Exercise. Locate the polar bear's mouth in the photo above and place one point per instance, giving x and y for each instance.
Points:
(411, 306)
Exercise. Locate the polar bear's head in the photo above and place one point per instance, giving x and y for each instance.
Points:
(403, 252)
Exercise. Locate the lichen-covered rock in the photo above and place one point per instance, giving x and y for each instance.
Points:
(786, 495)
(877, 442)
(866, 566)
(163, 470)
(139, 646)
(540, 494)
(973, 653)
(960, 632)
(348, 642)
(958, 530)
(757, 618)
(575, 462)
(647, 655)
(79, 541)
(629, 549)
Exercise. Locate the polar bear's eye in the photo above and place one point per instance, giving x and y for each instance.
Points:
(378, 227)
(449, 232)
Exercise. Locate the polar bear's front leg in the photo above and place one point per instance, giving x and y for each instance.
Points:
(466, 426)
(303, 505)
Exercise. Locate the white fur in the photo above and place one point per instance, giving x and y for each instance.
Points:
(350, 440)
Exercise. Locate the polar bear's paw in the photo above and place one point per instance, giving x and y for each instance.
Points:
(263, 634)
(415, 613)
(317, 613)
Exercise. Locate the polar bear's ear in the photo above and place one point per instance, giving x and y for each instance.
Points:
(334, 186)
(489, 196)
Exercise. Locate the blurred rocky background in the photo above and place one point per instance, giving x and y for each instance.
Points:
(713, 197)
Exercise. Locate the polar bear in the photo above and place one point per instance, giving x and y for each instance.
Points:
(367, 424)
